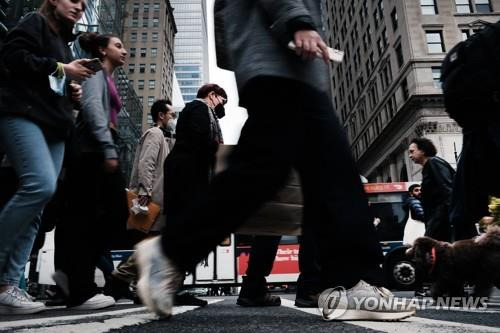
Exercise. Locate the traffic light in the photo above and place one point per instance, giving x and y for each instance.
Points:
(4, 4)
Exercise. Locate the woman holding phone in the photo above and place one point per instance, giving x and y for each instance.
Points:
(36, 98)
(97, 199)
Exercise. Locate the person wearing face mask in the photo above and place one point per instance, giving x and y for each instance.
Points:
(189, 168)
(147, 182)
(36, 103)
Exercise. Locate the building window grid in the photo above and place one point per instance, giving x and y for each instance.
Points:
(435, 42)
(428, 7)
(436, 77)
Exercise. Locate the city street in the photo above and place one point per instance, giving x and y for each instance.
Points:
(223, 315)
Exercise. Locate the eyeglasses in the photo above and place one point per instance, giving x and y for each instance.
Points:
(224, 100)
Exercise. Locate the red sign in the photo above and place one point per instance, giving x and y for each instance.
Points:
(386, 187)
(286, 261)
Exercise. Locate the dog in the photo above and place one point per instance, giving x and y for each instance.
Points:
(449, 266)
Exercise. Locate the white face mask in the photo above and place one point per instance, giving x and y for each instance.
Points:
(171, 124)
(57, 85)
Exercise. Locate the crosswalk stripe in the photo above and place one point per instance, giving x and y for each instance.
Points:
(63, 324)
(410, 325)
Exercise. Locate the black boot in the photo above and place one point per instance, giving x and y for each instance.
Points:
(254, 293)
(118, 289)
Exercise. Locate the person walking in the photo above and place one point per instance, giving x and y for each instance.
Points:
(97, 199)
(291, 123)
(36, 103)
(147, 182)
(437, 182)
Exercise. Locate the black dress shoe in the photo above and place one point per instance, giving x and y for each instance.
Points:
(188, 299)
(118, 289)
(264, 300)
(307, 301)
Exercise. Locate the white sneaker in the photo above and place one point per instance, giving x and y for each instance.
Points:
(159, 278)
(13, 301)
(99, 301)
(364, 302)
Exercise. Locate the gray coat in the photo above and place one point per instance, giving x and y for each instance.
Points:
(252, 38)
(93, 121)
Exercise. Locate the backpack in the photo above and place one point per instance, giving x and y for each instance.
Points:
(470, 76)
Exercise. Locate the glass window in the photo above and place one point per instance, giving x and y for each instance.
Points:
(435, 41)
(156, 6)
(156, 22)
(135, 22)
(140, 84)
(131, 68)
(151, 100)
(143, 52)
(436, 77)
(465, 34)
(404, 89)
(399, 55)
(154, 52)
(145, 23)
(394, 19)
(142, 68)
(428, 7)
(463, 6)
(154, 37)
(152, 84)
(133, 36)
(483, 6)
(144, 37)
(132, 52)
(152, 68)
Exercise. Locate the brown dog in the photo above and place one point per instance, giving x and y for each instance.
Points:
(449, 266)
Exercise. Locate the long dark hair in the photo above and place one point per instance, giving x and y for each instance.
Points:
(92, 42)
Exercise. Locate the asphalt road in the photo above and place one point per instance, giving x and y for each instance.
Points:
(223, 315)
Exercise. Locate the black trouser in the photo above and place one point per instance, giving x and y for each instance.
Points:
(263, 253)
(97, 209)
(289, 125)
(477, 178)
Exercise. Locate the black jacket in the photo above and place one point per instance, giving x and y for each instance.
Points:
(437, 183)
(189, 166)
(29, 55)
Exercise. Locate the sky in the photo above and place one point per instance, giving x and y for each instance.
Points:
(235, 117)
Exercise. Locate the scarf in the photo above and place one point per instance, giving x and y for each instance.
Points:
(116, 103)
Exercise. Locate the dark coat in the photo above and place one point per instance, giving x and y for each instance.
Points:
(189, 166)
(252, 37)
(437, 182)
(29, 55)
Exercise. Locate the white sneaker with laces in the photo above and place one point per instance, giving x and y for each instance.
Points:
(159, 277)
(13, 301)
(364, 302)
(99, 301)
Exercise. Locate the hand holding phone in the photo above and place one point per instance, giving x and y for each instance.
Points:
(334, 54)
(94, 64)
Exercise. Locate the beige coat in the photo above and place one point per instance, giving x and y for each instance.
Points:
(147, 171)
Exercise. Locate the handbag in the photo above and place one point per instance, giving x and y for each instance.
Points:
(141, 222)
(413, 230)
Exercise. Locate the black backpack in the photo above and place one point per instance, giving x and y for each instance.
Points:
(470, 74)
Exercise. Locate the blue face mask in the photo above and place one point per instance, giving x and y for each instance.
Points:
(57, 85)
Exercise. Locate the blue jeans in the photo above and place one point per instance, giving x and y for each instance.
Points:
(37, 162)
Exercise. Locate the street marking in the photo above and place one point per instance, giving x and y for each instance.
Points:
(63, 324)
(412, 324)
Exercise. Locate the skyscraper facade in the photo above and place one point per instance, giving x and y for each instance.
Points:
(387, 91)
(149, 32)
(191, 46)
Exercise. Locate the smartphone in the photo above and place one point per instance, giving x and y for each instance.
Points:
(94, 64)
(334, 54)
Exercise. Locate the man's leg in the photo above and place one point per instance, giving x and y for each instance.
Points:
(335, 205)
(254, 289)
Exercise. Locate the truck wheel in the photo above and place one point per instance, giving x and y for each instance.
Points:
(400, 271)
